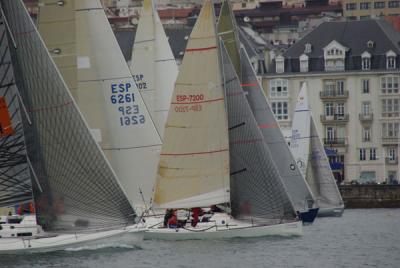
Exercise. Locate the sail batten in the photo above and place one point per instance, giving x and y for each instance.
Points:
(194, 162)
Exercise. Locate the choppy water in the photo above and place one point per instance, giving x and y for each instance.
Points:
(361, 238)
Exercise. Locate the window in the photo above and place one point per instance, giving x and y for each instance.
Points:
(329, 109)
(351, 6)
(392, 153)
(390, 107)
(390, 130)
(391, 62)
(304, 63)
(372, 154)
(308, 48)
(365, 86)
(340, 87)
(365, 5)
(394, 4)
(340, 110)
(362, 154)
(390, 85)
(280, 109)
(279, 88)
(366, 63)
(366, 108)
(330, 133)
(366, 134)
(378, 5)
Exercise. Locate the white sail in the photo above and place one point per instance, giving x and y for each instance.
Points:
(153, 65)
(194, 162)
(300, 141)
(109, 99)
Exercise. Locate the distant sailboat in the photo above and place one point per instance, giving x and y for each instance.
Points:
(78, 198)
(203, 165)
(295, 184)
(105, 92)
(153, 65)
(312, 160)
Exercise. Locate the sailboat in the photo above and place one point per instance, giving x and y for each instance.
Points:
(202, 164)
(77, 196)
(299, 192)
(153, 65)
(312, 160)
(90, 58)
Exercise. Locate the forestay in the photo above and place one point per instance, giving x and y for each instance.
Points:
(74, 186)
(194, 165)
(257, 191)
(15, 181)
(153, 65)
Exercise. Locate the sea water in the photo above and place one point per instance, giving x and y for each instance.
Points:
(361, 238)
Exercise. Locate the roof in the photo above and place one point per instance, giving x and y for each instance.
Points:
(351, 34)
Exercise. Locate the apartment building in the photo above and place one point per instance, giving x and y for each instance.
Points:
(365, 9)
(353, 74)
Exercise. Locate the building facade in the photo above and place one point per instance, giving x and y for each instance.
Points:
(352, 70)
(365, 9)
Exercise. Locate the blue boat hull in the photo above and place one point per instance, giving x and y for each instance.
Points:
(309, 216)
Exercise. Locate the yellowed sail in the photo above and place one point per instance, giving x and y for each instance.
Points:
(56, 24)
(194, 164)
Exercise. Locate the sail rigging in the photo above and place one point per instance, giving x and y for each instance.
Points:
(109, 98)
(74, 187)
(257, 191)
(194, 161)
(15, 180)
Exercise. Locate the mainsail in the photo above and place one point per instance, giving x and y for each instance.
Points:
(194, 162)
(256, 187)
(308, 149)
(74, 186)
(109, 99)
(153, 65)
(15, 181)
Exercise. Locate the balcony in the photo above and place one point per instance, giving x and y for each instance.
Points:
(335, 142)
(366, 118)
(390, 140)
(334, 95)
(337, 119)
(391, 161)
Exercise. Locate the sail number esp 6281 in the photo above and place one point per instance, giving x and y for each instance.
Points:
(124, 98)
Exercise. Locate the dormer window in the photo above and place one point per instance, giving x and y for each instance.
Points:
(390, 60)
(370, 44)
(303, 63)
(366, 61)
(307, 48)
(280, 64)
(334, 56)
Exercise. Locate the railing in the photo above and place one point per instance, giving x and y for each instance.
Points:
(392, 161)
(390, 140)
(366, 117)
(335, 142)
(334, 94)
(337, 118)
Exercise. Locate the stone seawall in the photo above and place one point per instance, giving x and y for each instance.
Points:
(371, 196)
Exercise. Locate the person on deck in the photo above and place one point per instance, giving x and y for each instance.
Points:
(173, 220)
(196, 212)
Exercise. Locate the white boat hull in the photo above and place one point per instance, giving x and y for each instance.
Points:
(330, 212)
(216, 230)
(131, 235)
